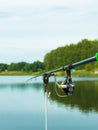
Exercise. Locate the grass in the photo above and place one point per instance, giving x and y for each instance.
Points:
(78, 73)
(19, 73)
(14, 73)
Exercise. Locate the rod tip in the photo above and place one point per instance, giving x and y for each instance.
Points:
(97, 56)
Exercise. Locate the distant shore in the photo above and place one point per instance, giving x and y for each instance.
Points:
(78, 73)
(16, 73)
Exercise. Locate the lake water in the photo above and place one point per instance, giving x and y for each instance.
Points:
(22, 105)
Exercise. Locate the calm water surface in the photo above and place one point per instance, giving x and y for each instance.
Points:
(22, 105)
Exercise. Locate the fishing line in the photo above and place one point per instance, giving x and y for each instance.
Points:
(46, 111)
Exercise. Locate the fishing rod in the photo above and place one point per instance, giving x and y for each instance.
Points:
(67, 86)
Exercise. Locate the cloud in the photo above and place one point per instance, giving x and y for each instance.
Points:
(28, 26)
(5, 14)
(31, 8)
(6, 3)
(17, 12)
(33, 3)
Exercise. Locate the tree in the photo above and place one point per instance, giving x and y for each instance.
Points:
(70, 54)
(37, 65)
(3, 67)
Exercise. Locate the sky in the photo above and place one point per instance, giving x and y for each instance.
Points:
(31, 28)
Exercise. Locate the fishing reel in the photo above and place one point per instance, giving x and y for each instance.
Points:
(68, 86)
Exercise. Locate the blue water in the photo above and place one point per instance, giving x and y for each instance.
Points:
(22, 106)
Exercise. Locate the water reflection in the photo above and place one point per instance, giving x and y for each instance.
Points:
(23, 86)
(22, 105)
(85, 96)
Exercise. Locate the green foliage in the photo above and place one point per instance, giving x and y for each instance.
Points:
(72, 53)
(88, 67)
(3, 67)
(23, 66)
(16, 66)
(37, 65)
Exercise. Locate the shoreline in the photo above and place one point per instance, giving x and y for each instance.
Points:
(78, 73)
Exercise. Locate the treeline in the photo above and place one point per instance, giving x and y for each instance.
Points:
(23, 66)
(72, 53)
(59, 57)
